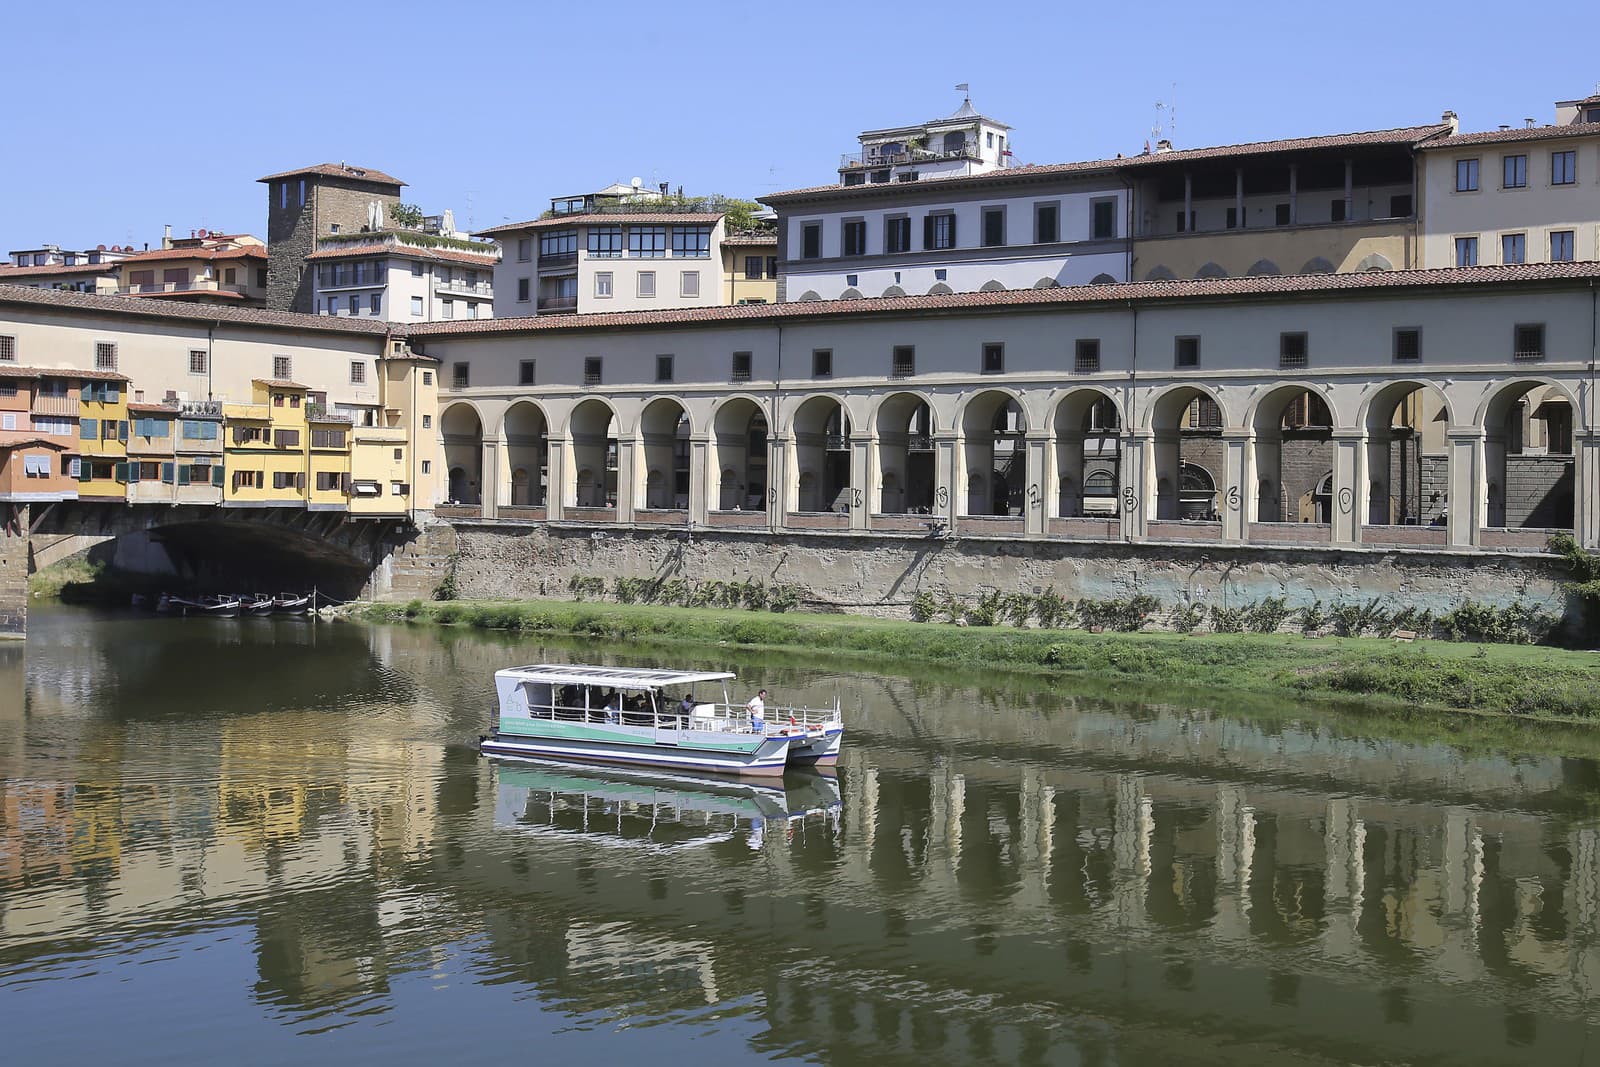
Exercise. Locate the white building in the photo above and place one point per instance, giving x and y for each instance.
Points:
(960, 145)
(403, 277)
(1527, 194)
(50, 267)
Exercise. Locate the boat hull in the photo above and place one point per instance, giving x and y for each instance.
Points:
(688, 750)
(817, 748)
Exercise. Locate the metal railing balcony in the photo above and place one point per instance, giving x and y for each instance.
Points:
(871, 158)
(484, 289)
(194, 285)
(558, 303)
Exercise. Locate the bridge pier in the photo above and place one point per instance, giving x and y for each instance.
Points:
(13, 570)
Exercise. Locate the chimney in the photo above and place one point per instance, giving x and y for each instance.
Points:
(1528, 123)
(166, 236)
(1449, 119)
(1163, 146)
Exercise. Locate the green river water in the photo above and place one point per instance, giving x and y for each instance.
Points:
(269, 841)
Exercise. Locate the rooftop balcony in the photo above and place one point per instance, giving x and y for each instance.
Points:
(461, 287)
(194, 285)
(895, 154)
(551, 304)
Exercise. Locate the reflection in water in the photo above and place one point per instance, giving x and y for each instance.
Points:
(275, 836)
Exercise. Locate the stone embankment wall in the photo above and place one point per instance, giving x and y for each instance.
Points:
(881, 576)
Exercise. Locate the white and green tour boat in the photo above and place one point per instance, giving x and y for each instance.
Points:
(655, 718)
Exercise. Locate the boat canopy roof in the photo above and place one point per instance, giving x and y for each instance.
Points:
(614, 677)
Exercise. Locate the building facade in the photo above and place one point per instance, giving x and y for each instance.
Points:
(206, 267)
(750, 267)
(399, 276)
(313, 202)
(49, 267)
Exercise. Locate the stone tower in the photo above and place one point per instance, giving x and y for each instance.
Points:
(313, 202)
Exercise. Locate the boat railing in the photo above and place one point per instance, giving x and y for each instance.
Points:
(802, 716)
(704, 717)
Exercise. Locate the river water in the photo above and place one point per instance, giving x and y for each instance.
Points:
(257, 841)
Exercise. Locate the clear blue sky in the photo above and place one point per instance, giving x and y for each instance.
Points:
(128, 116)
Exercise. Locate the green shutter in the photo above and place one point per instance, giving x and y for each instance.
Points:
(85, 471)
(133, 470)
(120, 472)
(112, 392)
(167, 473)
(122, 431)
(216, 475)
(88, 429)
(86, 394)
(183, 474)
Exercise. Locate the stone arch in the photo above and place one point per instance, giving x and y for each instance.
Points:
(461, 427)
(894, 290)
(740, 433)
(809, 295)
(526, 429)
(665, 427)
(1293, 426)
(820, 428)
(1197, 492)
(991, 286)
(1211, 270)
(1088, 443)
(994, 428)
(904, 425)
(1374, 262)
(1263, 268)
(851, 294)
(1103, 279)
(1161, 273)
(592, 425)
(1186, 424)
(940, 289)
(1408, 454)
(1046, 283)
(1528, 426)
(1317, 265)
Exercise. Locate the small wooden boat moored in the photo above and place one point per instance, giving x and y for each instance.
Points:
(255, 603)
(291, 602)
(218, 606)
(644, 717)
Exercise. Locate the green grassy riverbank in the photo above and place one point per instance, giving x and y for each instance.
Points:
(1534, 681)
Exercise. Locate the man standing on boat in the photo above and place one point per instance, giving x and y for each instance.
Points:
(757, 709)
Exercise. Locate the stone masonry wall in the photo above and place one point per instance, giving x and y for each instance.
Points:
(881, 576)
(292, 232)
(13, 570)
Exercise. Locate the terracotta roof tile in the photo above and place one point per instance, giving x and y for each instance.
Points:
(337, 170)
(642, 218)
(1537, 133)
(436, 255)
(159, 254)
(189, 311)
(9, 370)
(18, 438)
(154, 409)
(1060, 296)
(189, 294)
(55, 269)
(280, 383)
(1402, 136)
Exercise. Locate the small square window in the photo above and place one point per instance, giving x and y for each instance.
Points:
(904, 362)
(8, 348)
(525, 369)
(282, 368)
(105, 356)
(1086, 356)
(591, 370)
(1407, 344)
(646, 281)
(1466, 251)
(427, 377)
(1293, 351)
(1186, 353)
(852, 280)
(358, 372)
(602, 283)
(1561, 242)
(689, 284)
(994, 359)
(742, 366)
(1529, 341)
(940, 274)
(663, 368)
(427, 422)
(822, 363)
(198, 361)
(1513, 248)
(416, 306)
(1466, 175)
(427, 466)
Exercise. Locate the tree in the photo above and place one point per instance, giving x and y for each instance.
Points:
(407, 215)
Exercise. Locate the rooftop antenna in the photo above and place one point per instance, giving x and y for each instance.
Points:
(471, 224)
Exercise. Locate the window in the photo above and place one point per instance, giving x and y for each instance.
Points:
(663, 368)
(741, 367)
(940, 274)
(417, 268)
(399, 488)
(416, 305)
(939, 231)
(89, 429)
(558, 245)
(285, 438)
(752, 267)
(772, 266)
(525, 369)
(524, 290)
(200, 430)
(1528, 341)
(852, 280)
(1561, 246)
(427, 466)
(283, 479)
(897, 234)
(647, 283)
(904, 362)
(853, 237)
(524, 249)
(1046, 223)
(8, 348)
(427, 377)
(355, 303)
(1232, 222)
(605, 242)
(427, 422)
(1514, 172)
(1564, 168)
(374, 303)
(647, 242)
(1103, 220)
(1466, 251)
(447, 309)
(1280, 214)
(460, 375)
(811, 240)
(327, 481)
(822, 363)
(602, 284)
(1292, 351)
(689, 284)
(994, 359)
(1407, 344)
(327, 438)
(1086, 356)
(198, 361)
(1466, 175)
(592, 366)
(282, 368)
(1514, 248)
(1336, 210)
(1186, 353)
(105, 356)
(994, 226)
(691, 242)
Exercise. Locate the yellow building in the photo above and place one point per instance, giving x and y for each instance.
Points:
(328, 488)
(102, 435)
(267, 458)
(750, 268)
(393, 462)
